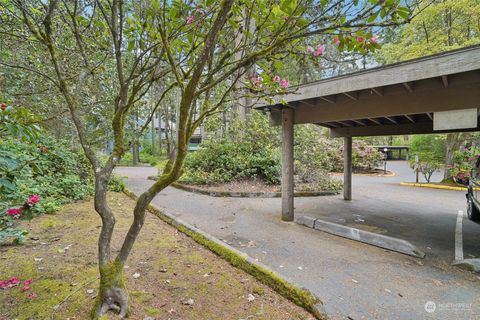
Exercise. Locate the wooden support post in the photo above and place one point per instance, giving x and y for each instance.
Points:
(347, 168)
(287, 164)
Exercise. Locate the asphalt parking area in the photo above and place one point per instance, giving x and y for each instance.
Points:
(354, 280)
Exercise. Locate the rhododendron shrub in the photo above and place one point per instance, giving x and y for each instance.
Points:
(464, 162)
(10, 226)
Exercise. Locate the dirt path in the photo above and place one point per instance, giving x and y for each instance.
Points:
(169, 276)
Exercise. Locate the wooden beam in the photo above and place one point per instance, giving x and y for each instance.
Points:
(378, 91)
(408, 86)
(351, 95)
(430, 67)
(390, 130)
(344, 123)
(329, 100)
(375, 121)
(360, 122)
(456, 97)
(306, 103)
(329, 124)
(391, 120)
(445, 81)
(429, 115)
(409, 118)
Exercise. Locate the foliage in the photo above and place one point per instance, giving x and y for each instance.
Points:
(31, 163)
(252, 151)
(439, 26)
(428, 168)
(464, 163)
(428, 147)
(116, 184)
(364, 157)
(430, 150)
(9, 220)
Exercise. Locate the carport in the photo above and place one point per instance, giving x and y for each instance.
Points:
(433, 94)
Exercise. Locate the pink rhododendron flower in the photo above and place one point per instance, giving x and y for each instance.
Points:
(31, 296)
(190, 19)
(360, 39)
(26, 285)
(320, 50)
(276, 78)
(374, 39)
(336, 40)
(12, 282)
(33, 200)
(310, 49)
(284, 83)
(14, 212)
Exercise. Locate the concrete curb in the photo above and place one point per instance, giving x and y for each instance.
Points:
(288, 289)
(233, 194)
(388, 175)
(367, 237)
(468, 264)
(435, 186)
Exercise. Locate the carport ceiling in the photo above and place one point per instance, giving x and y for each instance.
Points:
(400, 98)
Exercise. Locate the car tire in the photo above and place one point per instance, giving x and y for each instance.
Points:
(472, 210)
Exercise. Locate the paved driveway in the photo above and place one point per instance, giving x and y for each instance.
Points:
(353, 279)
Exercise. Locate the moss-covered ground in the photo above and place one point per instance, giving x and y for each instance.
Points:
(173, 271)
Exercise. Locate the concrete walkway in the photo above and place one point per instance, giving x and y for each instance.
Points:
(353, 279)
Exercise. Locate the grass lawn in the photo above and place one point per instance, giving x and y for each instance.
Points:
(175, 278)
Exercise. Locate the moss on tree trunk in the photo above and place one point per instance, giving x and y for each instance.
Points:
(112, 292)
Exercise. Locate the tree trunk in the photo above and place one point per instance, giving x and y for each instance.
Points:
(454, 141)
(135, 154)
(112, 294)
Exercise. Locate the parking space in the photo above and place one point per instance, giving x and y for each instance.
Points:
(425, 217)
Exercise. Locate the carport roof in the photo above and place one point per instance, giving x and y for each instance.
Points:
(399, 98)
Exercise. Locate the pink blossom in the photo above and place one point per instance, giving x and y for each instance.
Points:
(374, 39)
(26, 284)
(310, 49)
(320, 50)
(200, 10)
(336, 40)
(12, 282)
(284, 83)
(33, 200)
(190, 19)
(360, 39)
(14, 212)
(31, 296)
(276, 78)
